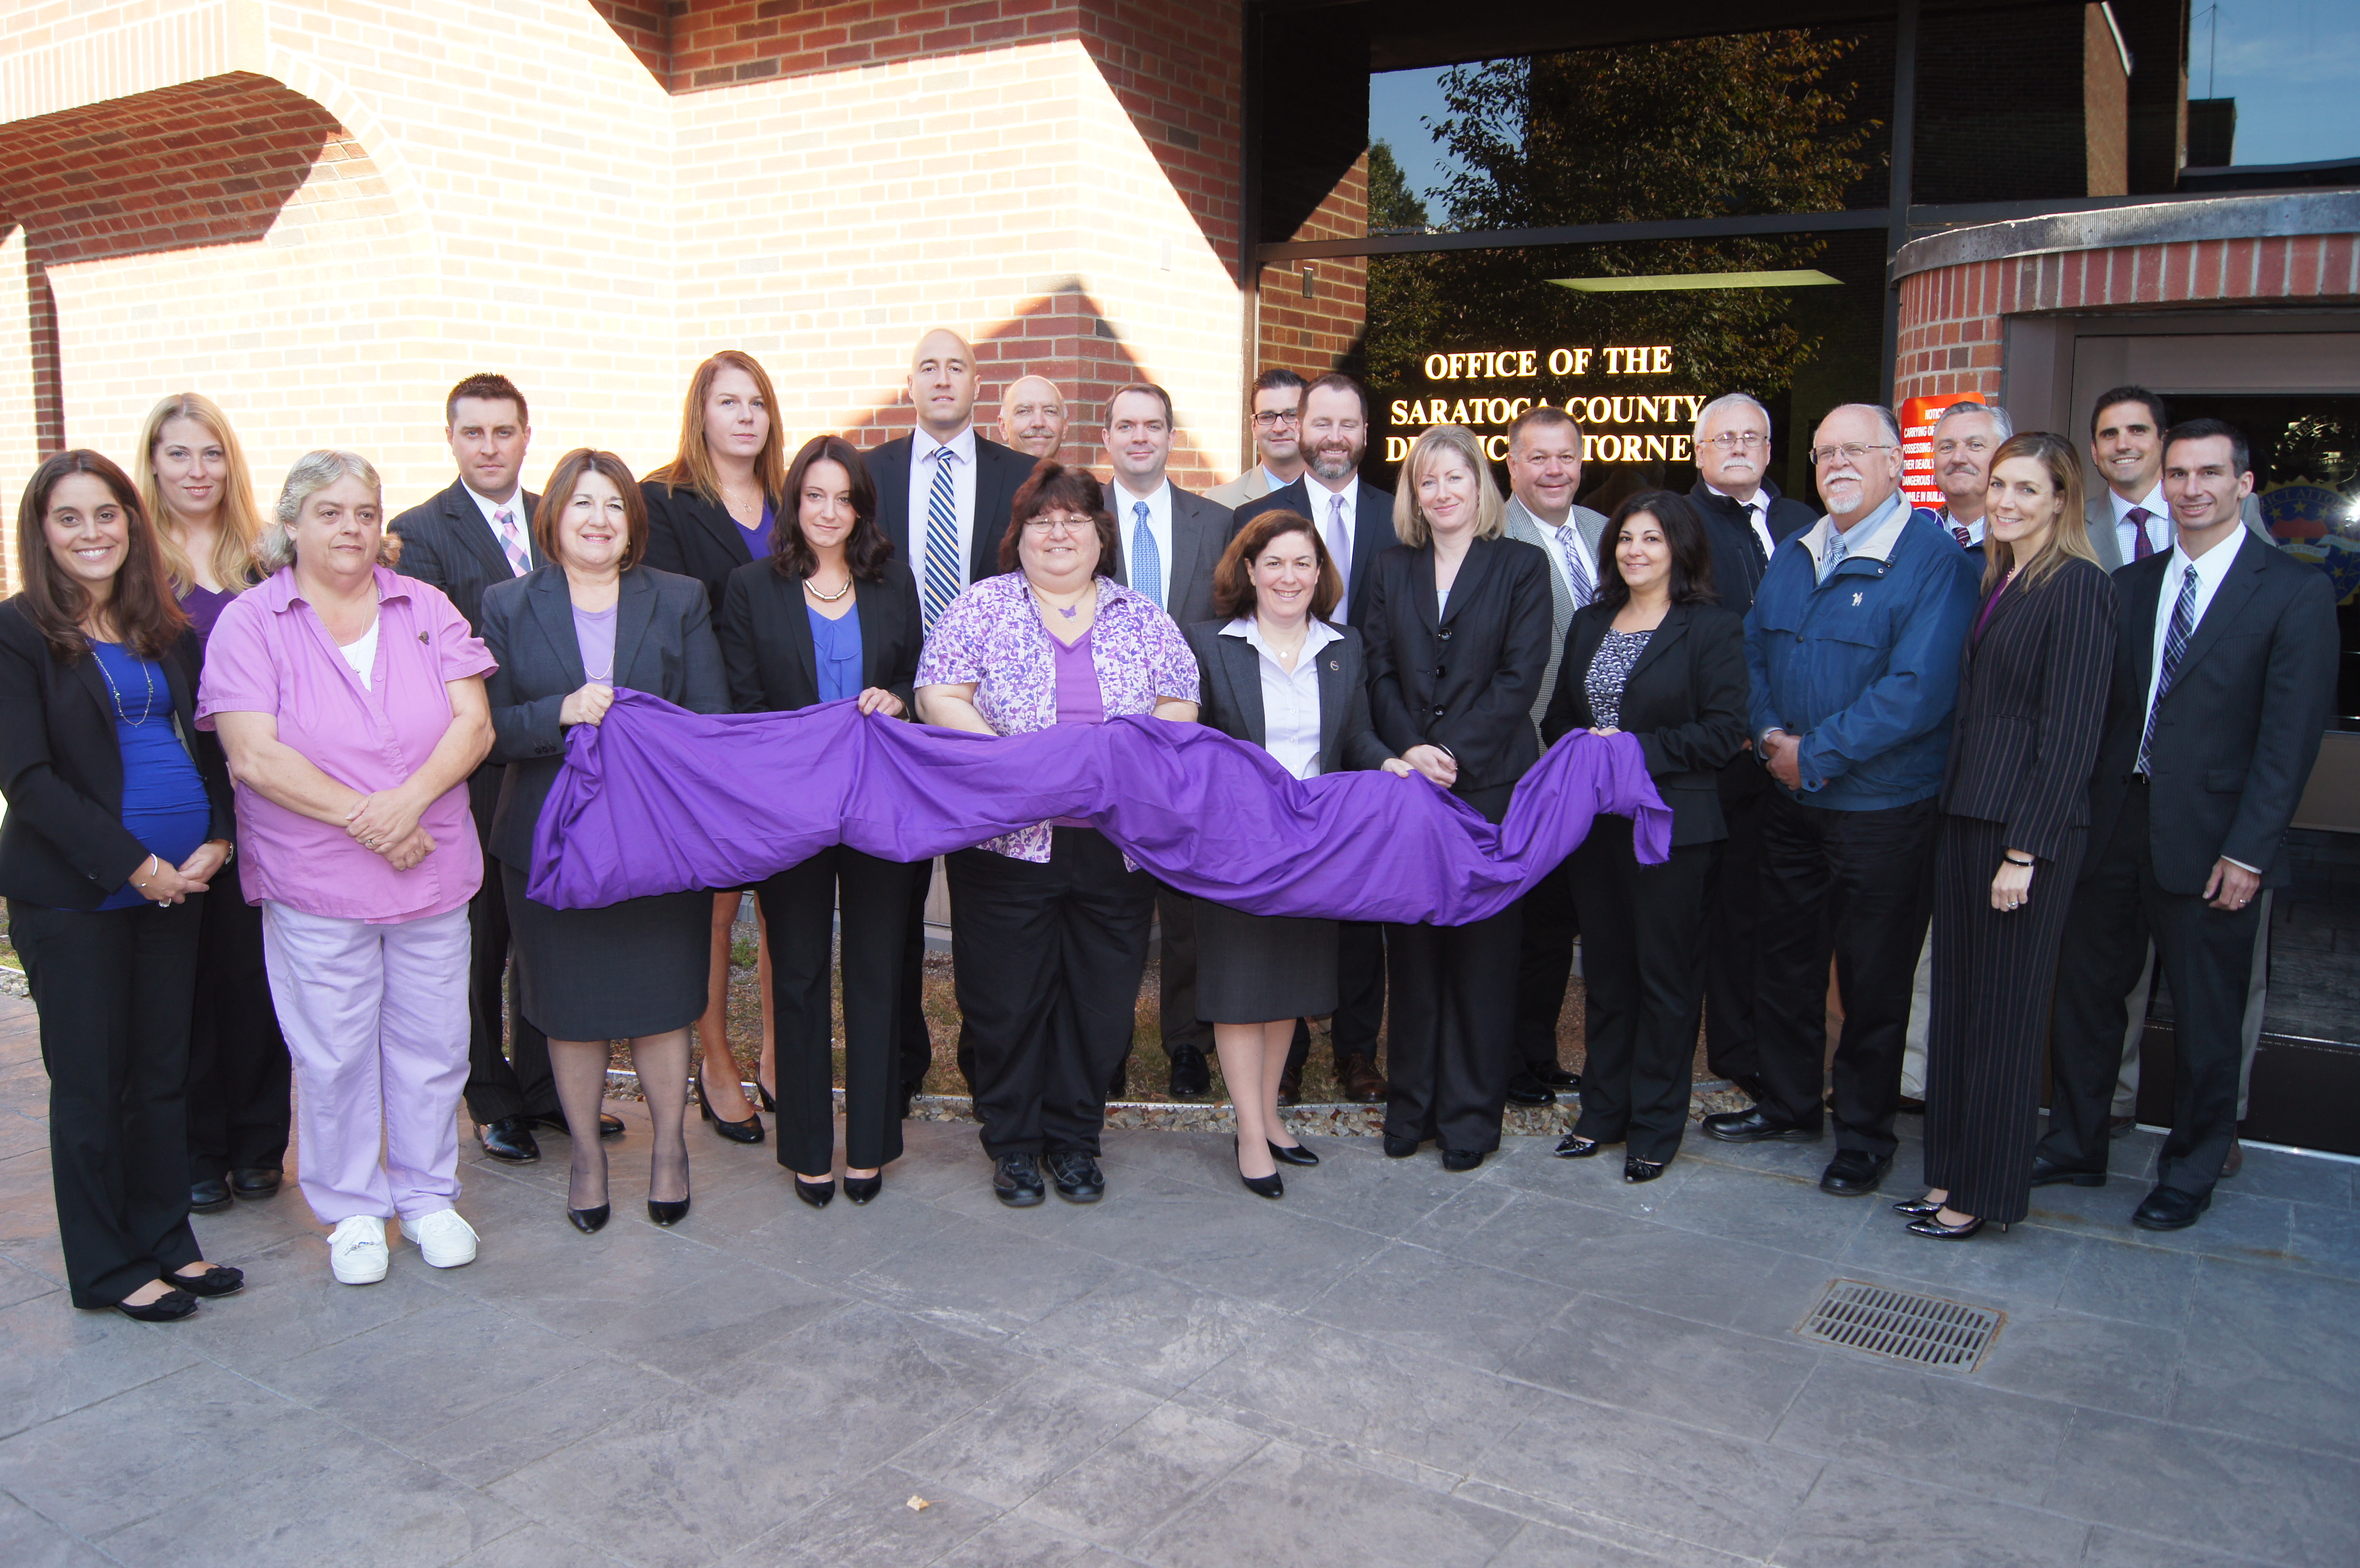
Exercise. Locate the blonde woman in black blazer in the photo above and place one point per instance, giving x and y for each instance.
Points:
(1654, 657)
(1274, 589)
(831, 614)
(2016, 816)
(1457, 631)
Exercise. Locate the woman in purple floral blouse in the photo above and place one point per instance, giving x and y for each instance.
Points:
(1052, 921)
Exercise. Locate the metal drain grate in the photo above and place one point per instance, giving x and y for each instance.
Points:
(1925, 1331)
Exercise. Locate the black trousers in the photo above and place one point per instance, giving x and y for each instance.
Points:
(1452, 1049)
(1859, 885)
(1177, 1010)
(1644, 970)
(1544, 965)
(113, 990)
(1049, 960)
(916, 1052)
(1995, 975)
(501, 1082)
(239, 1102)
(2205, 955)
(1731, 908)
(800, 905)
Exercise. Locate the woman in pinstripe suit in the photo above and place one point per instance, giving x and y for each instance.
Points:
(2016, 812)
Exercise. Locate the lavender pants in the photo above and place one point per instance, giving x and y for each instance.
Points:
(375, 1019)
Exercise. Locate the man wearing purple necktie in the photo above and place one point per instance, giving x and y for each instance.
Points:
(2128, 518)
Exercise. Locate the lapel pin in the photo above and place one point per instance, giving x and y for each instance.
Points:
(1334, 665)
(1855, 601)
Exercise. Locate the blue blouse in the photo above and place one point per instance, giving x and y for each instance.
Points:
(835, 646)
(164, 804)
(758, 540)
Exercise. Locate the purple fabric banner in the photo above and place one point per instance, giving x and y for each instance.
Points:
(656, 800)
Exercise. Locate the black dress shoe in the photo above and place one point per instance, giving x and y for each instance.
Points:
(2169, 1208)
(1557, 1078)
(748, 1131)
(210, 1196)
(1016, 1181)
(1573, 1146)
(1461, 1158)
(257, 1182)
(1363, 1085)
(816, 1193)
(1932, 1225)
(1910, 1105)
(1919, 1208)
(508, 1140)
(590, 1221)
(609, 1124)
(1754, 1124)
(1290, 1086)
(668, 1211)
(1399, 1148)
(2119, 1127)
(2047, 1172)
(1854, 1173)
(169, 1307)
(2236, 1160)
(215, 1281)
(1292, 1154)
(860, 1189)
(1077, 1177)
(1524, 1089)
(1192, 1076)
(1635, 1169)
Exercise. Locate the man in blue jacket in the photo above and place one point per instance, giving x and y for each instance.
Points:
(1853, 645)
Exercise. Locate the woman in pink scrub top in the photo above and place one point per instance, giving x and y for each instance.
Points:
(351, 702)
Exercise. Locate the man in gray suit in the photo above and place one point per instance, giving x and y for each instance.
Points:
(1171, 542)
(1543, 474)
(1278, 440)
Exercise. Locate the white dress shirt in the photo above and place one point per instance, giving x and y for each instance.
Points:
(1951, 526)
(514, 507)
(961, 447)
(2158, 523)
(1757, 516)
(1322, 502)
(1159, 524)
(1290, 698)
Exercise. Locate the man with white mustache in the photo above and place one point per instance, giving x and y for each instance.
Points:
(1032, 417)
(1852, 646)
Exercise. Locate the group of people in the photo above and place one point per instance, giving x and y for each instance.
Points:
(274, 783)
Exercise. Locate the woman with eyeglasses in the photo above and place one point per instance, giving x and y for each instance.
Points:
(1051, 939)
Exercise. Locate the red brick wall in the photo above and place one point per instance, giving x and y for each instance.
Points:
(2105, 106)
(646, 26)
(1951, 317)
(1312, 331)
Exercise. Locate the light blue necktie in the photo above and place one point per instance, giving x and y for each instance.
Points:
(943, 574)
(1835, 552)
(1147, 562)
(1576, 565)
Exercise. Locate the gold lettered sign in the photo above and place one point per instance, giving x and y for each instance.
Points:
(1613, 422)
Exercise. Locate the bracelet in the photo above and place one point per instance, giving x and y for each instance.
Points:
(2014, 861)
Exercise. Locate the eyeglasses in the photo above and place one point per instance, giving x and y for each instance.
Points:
(1043, 528)
(1853, 452)
(1274, 416)
(1737, 441)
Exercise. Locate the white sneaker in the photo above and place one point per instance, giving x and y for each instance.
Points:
(357, 1250)
(443, 1239)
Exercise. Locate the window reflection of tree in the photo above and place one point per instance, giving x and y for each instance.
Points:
(1698, 128)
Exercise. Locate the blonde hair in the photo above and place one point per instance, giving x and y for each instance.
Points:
(1409, 520)
(2068, 540)
(314, 471)
(237, 524)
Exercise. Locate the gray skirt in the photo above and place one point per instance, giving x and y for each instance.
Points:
(1255, 969)
(630, 969)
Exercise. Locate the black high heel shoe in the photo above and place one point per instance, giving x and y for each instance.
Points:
(1635, 1169)
(590, 1221)
(748, 1131)
(767, 1103)
(1932, 1226)
(817, 1194)
(666, 1211)
(1295, 1155)
(860, 1189)
(1576, 1147)
(1270, 1186)
(1918, 1208)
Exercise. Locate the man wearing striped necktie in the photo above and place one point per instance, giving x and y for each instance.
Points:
(944, 494)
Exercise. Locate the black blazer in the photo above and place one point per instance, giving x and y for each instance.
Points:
(1465, 680)
(1684, 700)
(692, 536)
(765, 638)
(1232, 696)
(64, 844)
(2032, 702)
(1373, 534)
(1738, 562)
(447, 543)
(2237, 733)
(1200, 532)
(1000, 471)
(664, 645)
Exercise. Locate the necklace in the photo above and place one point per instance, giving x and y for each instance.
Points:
(828, 598)
(1068, 611)
(147, 708)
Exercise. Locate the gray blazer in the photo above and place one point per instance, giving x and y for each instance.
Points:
(664, 645)
(1521, 526)
(1250, 485)
(2098, 512)
(1200, 532)
(1232, 698)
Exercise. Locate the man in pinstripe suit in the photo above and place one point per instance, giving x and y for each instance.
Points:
(1544, 475)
